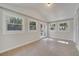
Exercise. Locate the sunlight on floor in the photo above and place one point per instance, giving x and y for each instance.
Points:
(59, 41)
(63, 42)
(49, 39)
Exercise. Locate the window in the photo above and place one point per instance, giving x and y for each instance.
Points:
(63, 26)
(52, 26)
(14, 23)
(32, 25)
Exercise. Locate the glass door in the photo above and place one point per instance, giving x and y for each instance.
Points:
(43, 30)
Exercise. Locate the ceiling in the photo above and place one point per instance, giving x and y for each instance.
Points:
(56, 11)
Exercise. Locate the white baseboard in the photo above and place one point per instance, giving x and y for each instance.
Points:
(17, 46)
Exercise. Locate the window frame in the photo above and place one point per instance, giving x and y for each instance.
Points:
(4, 22)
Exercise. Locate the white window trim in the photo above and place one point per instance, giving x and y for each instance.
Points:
(5, 31)
(29, 19)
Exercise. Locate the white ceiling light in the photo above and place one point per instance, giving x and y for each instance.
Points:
(49, 4)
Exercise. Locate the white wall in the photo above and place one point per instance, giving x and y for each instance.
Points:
(76, 28)
(1, 13)
(9, 40)
(67, 35)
